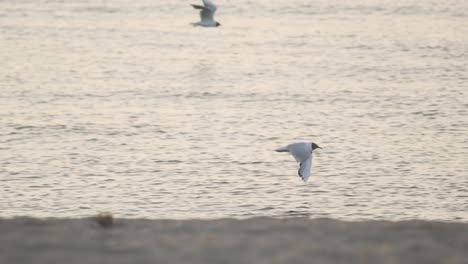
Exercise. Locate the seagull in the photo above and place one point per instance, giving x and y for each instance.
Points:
(206, 14)
(302, 152)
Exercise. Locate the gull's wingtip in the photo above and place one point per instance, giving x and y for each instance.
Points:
(303, 178)
(304, 169)
(300, 175)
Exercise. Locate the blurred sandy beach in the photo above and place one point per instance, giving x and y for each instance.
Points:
(255, 240)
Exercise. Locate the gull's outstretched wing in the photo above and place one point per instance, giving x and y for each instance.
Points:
(305, 168)
(300, 151)
(206, 11)
(207, 15)
(210, 5)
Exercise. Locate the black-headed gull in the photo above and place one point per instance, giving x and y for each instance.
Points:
(302, 152)
(206, 14)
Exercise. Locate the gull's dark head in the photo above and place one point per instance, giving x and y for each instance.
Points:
(218, 24)
(315, 146)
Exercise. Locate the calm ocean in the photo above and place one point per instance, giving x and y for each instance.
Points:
(123, 106)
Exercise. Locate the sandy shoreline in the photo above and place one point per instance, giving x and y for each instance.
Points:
(256, 240)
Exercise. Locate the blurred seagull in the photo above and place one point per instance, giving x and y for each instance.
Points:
(206, 14)
(302, 152)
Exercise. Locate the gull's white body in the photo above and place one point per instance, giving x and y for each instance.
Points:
(207, 12)
(302, 153)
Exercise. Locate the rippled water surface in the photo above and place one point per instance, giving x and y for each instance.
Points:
(122, 106)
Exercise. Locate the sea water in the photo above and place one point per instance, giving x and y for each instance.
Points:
(122, 106)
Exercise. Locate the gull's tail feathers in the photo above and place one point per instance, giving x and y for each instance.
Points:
(282, 149)
(198, 6)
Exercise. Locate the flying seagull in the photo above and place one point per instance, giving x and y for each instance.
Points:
(302, 152)
(207, 11)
